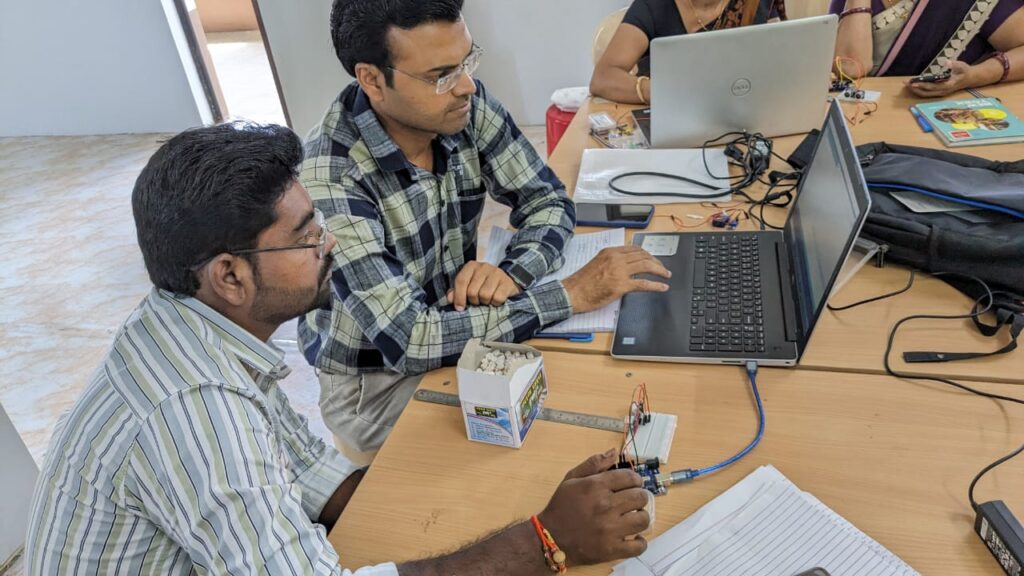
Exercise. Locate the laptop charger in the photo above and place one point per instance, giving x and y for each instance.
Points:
(1002, 533)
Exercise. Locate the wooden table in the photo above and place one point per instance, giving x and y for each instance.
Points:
(853, 340)
(893, 457)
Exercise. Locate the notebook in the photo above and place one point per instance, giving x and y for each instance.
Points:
(764, 526)
(581, 249)
(972, 122)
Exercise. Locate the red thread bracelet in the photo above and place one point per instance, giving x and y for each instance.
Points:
(553, 555)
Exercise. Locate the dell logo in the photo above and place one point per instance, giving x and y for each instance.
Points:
(741, 87)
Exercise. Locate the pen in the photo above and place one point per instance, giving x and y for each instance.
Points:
(921, 120)
(582, 337)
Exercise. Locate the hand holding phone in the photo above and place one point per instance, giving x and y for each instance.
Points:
(933, 78)
(614, 215)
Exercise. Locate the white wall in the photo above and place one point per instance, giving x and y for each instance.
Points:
(17, 481)
(532, 48)
(310, 75)
(108, 66)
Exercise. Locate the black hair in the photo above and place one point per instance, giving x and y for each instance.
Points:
(207, 191)
(359, 27)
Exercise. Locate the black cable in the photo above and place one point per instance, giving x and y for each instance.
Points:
(989, 299)
(986, 470)
(910, 283)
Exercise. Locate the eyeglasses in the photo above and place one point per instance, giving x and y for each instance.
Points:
(320, 236)
(320, 244)
(447, 83)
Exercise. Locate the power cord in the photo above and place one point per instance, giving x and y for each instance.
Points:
(689, 474)
(981, 306)
(910, 283)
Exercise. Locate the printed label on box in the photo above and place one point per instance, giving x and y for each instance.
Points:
(529, 404)
(486, 424)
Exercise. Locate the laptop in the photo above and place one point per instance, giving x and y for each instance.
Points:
(769, 78)
(738, 296)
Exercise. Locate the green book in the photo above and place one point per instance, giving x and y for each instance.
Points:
(974, 122)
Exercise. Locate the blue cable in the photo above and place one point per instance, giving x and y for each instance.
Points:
(948, 198)
(690, 474)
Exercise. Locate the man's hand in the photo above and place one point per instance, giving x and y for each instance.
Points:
(960, 79)
(480, 284)
(595, 514)
(610, 275)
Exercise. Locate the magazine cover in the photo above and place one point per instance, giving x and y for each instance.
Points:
(972, 122)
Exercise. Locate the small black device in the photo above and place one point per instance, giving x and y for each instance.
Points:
(815, 572)
(614, 215)
(931, 78)
(1002, 533)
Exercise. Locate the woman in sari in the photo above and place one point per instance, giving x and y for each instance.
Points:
(629, 49)
(981, 42)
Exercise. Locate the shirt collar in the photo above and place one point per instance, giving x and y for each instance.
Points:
(384, 150)
(260, 356)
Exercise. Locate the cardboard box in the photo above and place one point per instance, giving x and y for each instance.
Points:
(500, 409)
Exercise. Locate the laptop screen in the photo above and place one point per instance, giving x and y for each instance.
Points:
(826, 217)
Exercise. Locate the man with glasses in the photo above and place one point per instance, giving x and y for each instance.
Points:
(183, 455)
(401, 166)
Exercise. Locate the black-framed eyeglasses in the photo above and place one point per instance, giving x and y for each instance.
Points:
(320, 242)
(449, 81)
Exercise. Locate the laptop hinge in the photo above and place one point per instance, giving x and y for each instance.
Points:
(788, 294)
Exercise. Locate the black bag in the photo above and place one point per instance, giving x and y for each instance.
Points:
(986, 243)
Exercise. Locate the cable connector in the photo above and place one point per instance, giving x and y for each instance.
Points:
(752, 367)
(678, 477)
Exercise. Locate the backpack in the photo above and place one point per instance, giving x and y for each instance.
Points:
(977, 251)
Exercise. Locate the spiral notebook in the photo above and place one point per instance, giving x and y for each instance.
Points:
(764, 526)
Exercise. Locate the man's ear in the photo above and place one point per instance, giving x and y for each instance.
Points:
(371, 79)
(230, 278)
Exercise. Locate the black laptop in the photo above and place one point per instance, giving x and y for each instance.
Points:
(737, 296)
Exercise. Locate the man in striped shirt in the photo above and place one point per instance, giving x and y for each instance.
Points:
(183, 455)
(401, 166)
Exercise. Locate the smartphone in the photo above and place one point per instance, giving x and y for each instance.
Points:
(614, 215)
(815, 572)
(931, 78)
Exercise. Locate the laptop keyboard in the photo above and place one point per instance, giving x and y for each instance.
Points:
(727, 314)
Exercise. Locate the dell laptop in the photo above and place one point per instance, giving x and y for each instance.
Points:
(737, 296)
(771, 79)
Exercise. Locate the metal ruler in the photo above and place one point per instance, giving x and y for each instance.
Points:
(549, 414)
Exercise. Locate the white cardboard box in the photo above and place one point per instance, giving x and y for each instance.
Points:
(500, 409)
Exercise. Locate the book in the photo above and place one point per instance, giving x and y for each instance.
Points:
(764, 526)
(973, 122)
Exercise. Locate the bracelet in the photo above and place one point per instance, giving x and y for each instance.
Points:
(639, 92)
(851, 11)
(553, 555)
(1006, 65)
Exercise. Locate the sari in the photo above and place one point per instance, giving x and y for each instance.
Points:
(913, 36)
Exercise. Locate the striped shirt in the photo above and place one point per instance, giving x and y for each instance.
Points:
(404, 233)
(183, 456)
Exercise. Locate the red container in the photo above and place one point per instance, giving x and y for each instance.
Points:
(557, 122)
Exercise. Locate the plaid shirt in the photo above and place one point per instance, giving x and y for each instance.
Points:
(404, 233)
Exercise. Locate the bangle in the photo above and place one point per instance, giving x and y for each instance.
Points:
(851, 11)
(1006, 65)
(639, 92)
(553, 555)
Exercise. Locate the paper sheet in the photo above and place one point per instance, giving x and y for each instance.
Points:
(581, 249)
(601, 165)
(764, 526)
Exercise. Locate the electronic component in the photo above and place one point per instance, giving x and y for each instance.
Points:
(840, 85)
(601, 123)
(647, 435)
(649, 471)
(1002, 533)
(929, 78)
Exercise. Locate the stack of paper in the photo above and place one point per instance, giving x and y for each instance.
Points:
(581, 249)
(764, 526)
(599, 166)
